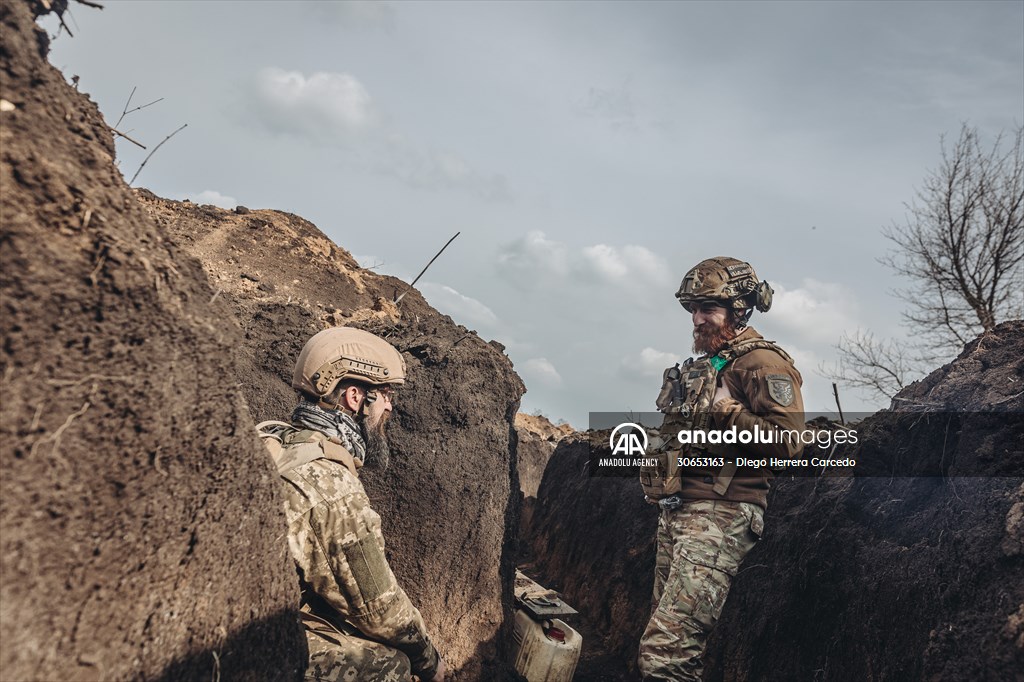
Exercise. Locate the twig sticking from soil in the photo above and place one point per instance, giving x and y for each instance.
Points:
(135, 142)
(919, 403)
(452, 347)
(145, 160)
(402, 295)
(60, 17)
(125, 111)
(60, 14)
(1009, 398)
(835, 392)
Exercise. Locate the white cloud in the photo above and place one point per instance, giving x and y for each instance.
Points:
(628, 263)
(803, 358)
(650, 362)
(321, 106)
(815, 312)
(461, 308)
(542, 371)
(533, 260)
(209, 196)
(604, 261)
(336, 108)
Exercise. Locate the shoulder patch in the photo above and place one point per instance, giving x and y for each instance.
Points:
(780, 388)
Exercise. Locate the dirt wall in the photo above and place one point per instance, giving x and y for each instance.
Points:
(538, 438)
(910, 570)
(913, 569)
(592, 539)
(450, 501)
(140, 520)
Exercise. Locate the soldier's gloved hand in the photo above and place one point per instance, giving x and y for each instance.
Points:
(721, 393)
(441, 670)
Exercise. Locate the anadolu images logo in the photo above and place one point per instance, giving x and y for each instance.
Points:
(625, 441)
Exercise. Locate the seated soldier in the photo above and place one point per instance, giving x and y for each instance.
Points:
(359, 623)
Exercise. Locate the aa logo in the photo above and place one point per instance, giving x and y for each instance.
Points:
(628, 439)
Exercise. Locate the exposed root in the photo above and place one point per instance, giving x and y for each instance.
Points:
(87, 377)
(100, 262)
(56, 436)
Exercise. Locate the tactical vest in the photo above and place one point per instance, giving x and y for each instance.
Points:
(686, 400)
(291, 447)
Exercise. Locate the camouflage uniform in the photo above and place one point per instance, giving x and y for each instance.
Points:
(700, 548)
(360, 625)
(702, 543)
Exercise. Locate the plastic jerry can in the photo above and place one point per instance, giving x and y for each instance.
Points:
(546, 651)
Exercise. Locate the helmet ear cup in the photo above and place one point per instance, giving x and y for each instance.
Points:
(763, 300)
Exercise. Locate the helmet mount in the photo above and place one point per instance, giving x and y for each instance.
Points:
(731, 283)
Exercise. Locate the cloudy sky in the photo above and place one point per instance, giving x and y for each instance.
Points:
(590, 153)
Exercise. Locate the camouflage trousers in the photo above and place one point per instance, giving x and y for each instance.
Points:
(336, 657)
(700, 548)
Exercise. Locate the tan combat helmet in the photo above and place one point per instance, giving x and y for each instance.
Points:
(346, 353)
(728, 281)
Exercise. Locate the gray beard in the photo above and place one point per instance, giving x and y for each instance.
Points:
(378, 452)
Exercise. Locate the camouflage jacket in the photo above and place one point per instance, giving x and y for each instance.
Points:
(336, 541)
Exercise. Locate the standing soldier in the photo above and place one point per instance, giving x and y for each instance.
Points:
(359, 623)
(711, 516)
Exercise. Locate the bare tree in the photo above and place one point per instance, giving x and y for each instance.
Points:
(881, 367)
(961, 246)
(962, 243)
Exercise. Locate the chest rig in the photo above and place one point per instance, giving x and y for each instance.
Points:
(686, 398)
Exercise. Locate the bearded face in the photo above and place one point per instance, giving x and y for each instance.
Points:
(712, 334)
(378, 452)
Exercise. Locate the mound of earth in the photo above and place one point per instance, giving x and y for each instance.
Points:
(538, 438)
(132, 478)
(450, 500)
(909, 570)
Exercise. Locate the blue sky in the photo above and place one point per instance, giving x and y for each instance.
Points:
(590, 153)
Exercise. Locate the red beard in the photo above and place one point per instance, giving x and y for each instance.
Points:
(709, 339)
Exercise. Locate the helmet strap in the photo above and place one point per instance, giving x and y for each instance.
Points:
(323, 403)
(339, 406)
(743, 318)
